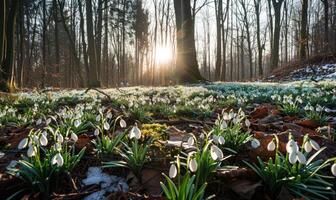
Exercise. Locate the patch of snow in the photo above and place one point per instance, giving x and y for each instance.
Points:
(108, 183)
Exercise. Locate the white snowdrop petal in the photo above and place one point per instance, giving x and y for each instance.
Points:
(292, 157)
(23, 143)
(333, 169)
(292, 146)
(172, 171)
(106, 126)
(77, 123)
(255, 143)
(31, 151)
(74, 137)
(271, 146)
(301, 158)
(135, 133)
(221, 140)
(60, 138)
(315, 145)
(216, 153)
(122, 123)
(223, 125)
(191, 141)
(43, 140)
(247, 123)
(193, 165)
(57, 159)
(308, 147)
(96, 132)
(98, 118)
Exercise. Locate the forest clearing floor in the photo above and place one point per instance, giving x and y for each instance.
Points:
(248, 116)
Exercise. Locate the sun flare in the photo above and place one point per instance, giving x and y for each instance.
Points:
(163, 55)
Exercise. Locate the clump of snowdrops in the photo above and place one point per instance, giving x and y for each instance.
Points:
(190, 172)
(298, 170)
(50, 155)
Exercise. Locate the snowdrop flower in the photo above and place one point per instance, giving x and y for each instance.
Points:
(122, 123)
(255, 143)
(192, 165)
(319, 108)
(292, 146)
(226, 116)
(328, 110)
(221, 140)
(38, 122)
(31, 151)
(43, 140)
(216, 153)
(191, 141)
(235, 120)
(36, 139)
(96, 132)
(333, 169)
(271, 146)
(77, 123)
(74, 137)
(308, 147)
(223, 125)
(135, 132)
(297, 156)
(172, 171)
(59, 138)
(57, 159)
(23, 143)
(106, 126)
(98, 118)
(247, 123)
(231, 115)
(314, 144)
(109, 115)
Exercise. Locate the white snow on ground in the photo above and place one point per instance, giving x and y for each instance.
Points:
(323, 72)
(108, 183)
(314, 72)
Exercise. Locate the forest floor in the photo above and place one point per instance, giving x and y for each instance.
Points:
(248, 117)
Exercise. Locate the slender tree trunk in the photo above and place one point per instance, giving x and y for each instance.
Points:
(94, 81)
(260, 47)
(85, 54)
(303, 32)
(57, 51)
(8, 29)
(186, 52)
(326, 25)
(276, 35)
(219, 10)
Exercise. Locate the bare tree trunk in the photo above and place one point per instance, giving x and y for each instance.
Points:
(99, 36)
(276, 35)
(219, 14)
(326, 25)
(186, 52)
(57, 52)
(8, 31)
(303, 32)
(94, 82)
(85, 54)
(260, 47)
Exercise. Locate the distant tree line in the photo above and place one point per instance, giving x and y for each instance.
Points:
(105, 43)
